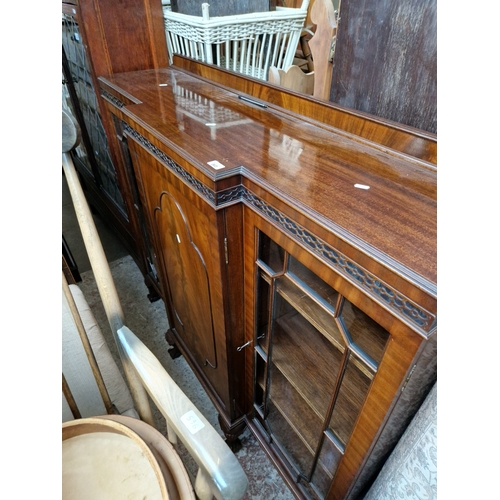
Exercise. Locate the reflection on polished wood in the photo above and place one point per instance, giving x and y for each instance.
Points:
(411, 142)
(323, 16)
(321, 180)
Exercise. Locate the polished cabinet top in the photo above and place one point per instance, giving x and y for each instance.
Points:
(375, 198)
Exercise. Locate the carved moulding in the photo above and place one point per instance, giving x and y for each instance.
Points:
(415, 316)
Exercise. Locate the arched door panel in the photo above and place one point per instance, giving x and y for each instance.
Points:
(188, 280)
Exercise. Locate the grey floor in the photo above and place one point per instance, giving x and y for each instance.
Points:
(113, 249)
(149, 322)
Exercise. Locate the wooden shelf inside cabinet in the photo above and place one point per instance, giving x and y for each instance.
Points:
(294, 409)
(310, 363)
(325, 292)
(308, 360)
(297, 413)
(322, 320)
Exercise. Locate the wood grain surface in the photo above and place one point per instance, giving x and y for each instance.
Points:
(315, 166)
(386, 60)
(356, 213)
(392, 135)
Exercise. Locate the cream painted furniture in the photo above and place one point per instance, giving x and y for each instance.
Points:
(95, 385)
(219, 475)
(113, 457)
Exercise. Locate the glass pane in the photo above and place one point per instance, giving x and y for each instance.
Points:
(328, 462)
(289, 442)
(271, 254)
(299, 415)
(80, 75)
(331, 453)
(369, 336)
(259, 383)
(353, 391)
(327, 295)
(305, 357)
(313, 332)
(320, 318)
(263, 291)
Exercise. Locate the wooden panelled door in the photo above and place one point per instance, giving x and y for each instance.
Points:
(188, 280)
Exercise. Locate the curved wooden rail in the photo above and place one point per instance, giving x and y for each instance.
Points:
(220, 473)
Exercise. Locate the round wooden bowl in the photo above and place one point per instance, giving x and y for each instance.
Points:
(105, 459)
(178, 482)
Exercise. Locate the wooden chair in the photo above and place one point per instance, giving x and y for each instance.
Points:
(220, 475)
(319, 81)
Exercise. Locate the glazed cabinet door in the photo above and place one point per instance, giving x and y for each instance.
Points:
(103, 170)
(320, 363)
(96, 165)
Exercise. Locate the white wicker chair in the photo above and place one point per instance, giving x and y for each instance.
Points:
(248, 43)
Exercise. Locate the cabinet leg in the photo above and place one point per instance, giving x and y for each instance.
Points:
(232, 434)
(174, 350)
(153, 296)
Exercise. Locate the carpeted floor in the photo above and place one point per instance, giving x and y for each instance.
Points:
(149, 322)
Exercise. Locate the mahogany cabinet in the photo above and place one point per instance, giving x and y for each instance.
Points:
(201, 284)
(93, 44)
(295, 244)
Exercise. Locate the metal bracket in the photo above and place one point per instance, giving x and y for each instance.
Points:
(408, 378)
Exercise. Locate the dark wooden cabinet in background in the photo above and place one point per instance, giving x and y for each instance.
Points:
(386, 60)
(93, 44)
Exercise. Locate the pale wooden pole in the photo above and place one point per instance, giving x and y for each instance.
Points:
(100, 266)
(86, 345)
